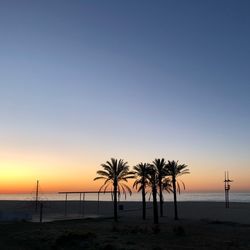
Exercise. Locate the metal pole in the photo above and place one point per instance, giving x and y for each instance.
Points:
(98, 205)
(66, 198)
(80, 203)
(225, 187)
(228, 187)
(37, 192)
(83, 203)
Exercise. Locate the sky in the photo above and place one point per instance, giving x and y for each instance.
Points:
(84, 81)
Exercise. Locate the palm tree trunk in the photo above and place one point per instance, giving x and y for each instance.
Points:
(161, 198)
(154, 191)
(175, 199)
(115, 202)
(143, 203)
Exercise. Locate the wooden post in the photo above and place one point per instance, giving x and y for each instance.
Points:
(41, 212)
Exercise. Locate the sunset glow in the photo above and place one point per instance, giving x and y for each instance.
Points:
(83, 82)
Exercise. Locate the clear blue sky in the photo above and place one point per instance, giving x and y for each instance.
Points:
(130, 79)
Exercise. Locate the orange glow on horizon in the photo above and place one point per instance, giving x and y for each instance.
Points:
(19, 172)
(49, 185)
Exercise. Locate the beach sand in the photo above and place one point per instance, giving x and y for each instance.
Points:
(202, 225)
(238, 212)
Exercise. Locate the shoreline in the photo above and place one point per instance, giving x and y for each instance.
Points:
(136, 197)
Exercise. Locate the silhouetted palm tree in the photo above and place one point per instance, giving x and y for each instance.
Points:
(141, 173)
(153, 180)
(175, 170)
(167, 185)
(160, 164)
(114, 173)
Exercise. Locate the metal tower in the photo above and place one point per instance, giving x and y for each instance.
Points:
(227, 188)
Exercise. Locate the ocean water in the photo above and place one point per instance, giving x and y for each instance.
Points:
(185, 196)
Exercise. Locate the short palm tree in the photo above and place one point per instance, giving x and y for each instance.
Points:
(114, 174)
(141, 182)
(160, 164)
(153, 181)
(175, 170)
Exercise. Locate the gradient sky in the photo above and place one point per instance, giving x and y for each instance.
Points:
(83, 81)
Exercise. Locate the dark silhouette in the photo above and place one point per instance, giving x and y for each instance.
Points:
(114, 173)
(175, 170)
(37, 194)
(41, 212)
(227, 187)
(167, 185)
(141, 173)
(160, 166)
(153, 180)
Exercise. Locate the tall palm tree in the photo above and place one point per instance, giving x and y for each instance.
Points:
(160, 164)
(153, 180)
(114, 174)
(141, 173)
(167, 185)
(175, 170)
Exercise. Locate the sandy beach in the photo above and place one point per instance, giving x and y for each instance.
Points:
(202, 225)
(52, 210)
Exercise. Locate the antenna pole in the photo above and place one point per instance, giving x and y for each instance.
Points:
(227, 188)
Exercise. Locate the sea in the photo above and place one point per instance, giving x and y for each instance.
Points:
(185, 196)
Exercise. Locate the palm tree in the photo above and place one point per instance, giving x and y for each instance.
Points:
(167, 185)
(153, 180)
(141, 173)
(175, 170)
(114, 173)
(160, 164)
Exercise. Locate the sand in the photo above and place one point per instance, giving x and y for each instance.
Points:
(52, 210)
(202, 226)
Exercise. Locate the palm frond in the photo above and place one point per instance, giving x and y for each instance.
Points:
(115, 172)
(99, 177)
(103, 173)
(176, 170)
